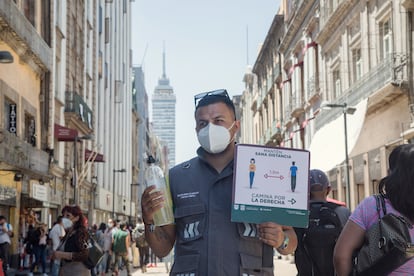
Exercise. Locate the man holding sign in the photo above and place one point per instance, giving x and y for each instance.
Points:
(207, 241)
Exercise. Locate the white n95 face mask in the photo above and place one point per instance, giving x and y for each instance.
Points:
(67, 223)
(214, 138)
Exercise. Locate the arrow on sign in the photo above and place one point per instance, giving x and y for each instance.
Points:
(292, 201)
(274, 176)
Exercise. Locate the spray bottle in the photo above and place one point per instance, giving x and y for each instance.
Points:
(155, 176)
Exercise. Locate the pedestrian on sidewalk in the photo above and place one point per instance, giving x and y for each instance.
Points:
(141, 243)
(121, 242)
(56, 235)
(6, 233)
(39, 248)
(397, 192)
(72, 251)
(314, 254)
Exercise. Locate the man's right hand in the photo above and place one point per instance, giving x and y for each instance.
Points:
(152, 200)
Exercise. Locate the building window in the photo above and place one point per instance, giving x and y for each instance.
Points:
(10, 116)
(106, 75)
(29, 10)
(356, 64)
(336, 76)
(332, 5)
(74, 39)
(59, 92)
(100, 20)
(30, 129)
(107, 30)
(385, 36)
(58, 14)
(100, 61)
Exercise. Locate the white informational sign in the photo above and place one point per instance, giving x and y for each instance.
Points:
(271, 184)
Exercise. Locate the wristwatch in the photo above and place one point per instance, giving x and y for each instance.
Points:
(151, 227)
(285, 243)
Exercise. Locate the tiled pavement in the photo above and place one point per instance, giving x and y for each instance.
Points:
(283, 267)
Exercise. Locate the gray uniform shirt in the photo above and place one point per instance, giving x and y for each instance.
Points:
(208, 243)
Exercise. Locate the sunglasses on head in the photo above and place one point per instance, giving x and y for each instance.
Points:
(219, 92)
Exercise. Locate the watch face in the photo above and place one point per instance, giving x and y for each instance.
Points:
(285, 243)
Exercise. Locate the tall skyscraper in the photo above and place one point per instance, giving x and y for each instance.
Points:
(163, 113)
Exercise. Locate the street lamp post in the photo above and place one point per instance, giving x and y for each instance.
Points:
(75, 165)
(130, 204)
(345, 110)
(113, 191)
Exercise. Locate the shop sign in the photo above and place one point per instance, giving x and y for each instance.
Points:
(12, 118)
(65, 134)
(39, 192)
(8, 195)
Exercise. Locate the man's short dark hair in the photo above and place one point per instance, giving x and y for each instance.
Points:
(59, 219)
(212, 99)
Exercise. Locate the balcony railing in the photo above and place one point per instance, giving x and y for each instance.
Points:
(312, 86)
(261, 140)
(393, 70)
(269, 82)
(260, 98)
(268, 134)
(276, 73)
(297, 103)
(288, 112)
(22, 155)
(74, 103)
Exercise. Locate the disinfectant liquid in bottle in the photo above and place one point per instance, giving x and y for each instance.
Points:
(155, 176)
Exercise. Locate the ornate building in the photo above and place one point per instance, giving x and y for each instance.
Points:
(25, 183)
(354, 57)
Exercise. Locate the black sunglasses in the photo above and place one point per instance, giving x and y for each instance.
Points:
(219, 92)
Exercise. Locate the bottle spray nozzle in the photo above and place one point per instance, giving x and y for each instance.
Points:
(150, 159)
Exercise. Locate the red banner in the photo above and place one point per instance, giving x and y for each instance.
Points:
(64, 134)
(99, 157)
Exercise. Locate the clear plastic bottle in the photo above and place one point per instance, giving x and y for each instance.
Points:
(155, 176)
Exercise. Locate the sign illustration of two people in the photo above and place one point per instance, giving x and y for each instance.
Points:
(252, 170)
(293, 170)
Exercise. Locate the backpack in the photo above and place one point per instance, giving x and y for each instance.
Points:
(139, 238)
(314, 254)
(8, 229)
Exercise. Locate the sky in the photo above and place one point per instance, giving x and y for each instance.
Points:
(208, 45)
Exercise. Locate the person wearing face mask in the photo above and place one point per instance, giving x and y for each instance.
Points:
(56, 235)
(206, 241)
(108, 258)
(73, 250)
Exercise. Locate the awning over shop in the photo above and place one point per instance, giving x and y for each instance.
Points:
(328, 144)
(92, 156)
(65, 134)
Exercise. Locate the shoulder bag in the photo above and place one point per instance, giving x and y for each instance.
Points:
(95, 253)
(387, 244)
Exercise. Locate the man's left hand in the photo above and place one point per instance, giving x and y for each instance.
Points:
(271, 233)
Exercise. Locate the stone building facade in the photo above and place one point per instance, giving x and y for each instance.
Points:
(355, 57)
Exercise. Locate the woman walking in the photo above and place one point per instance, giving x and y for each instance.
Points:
(73, 250)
